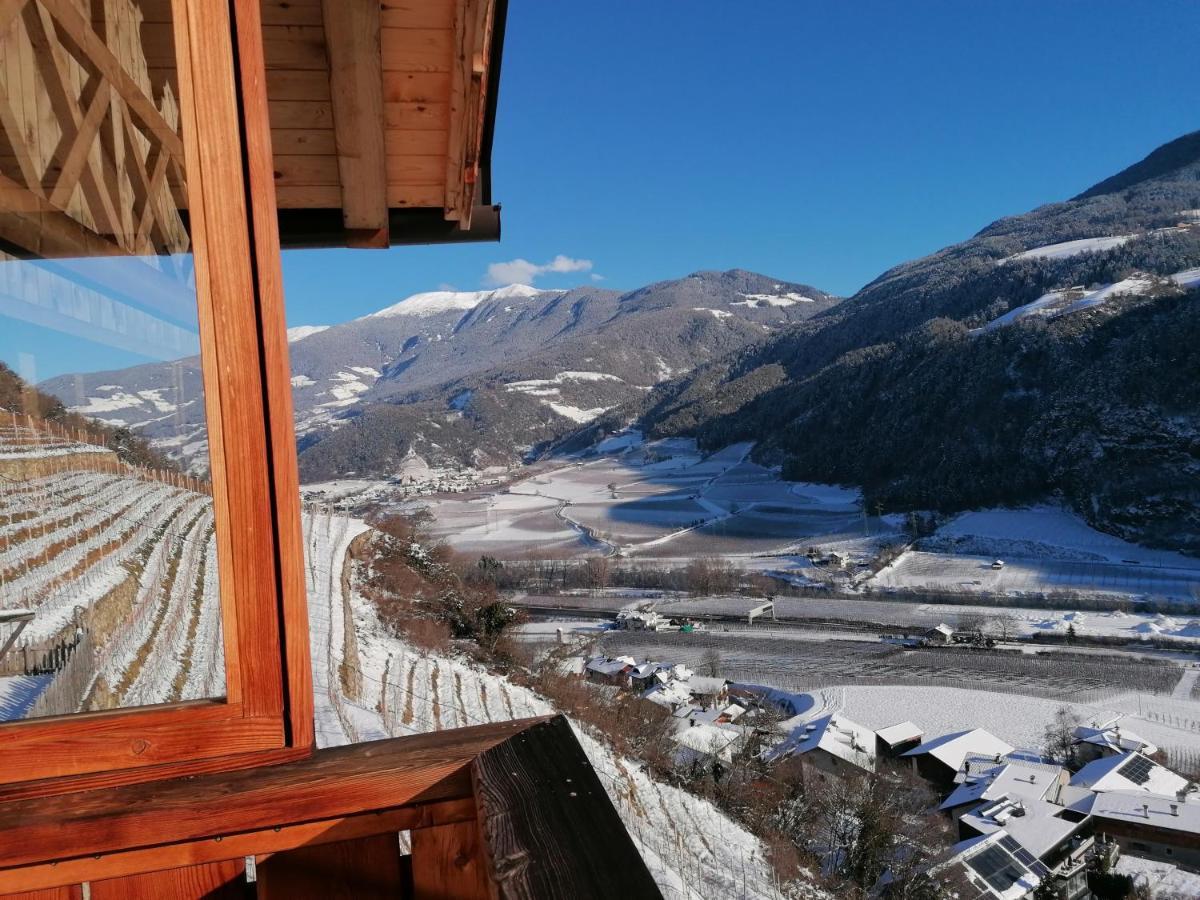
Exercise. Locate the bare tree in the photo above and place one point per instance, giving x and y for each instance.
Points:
(1059, 736)
(710, 662)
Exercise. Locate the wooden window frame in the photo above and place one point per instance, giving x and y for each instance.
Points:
(267, 714)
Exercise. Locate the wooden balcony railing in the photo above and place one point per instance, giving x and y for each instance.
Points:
(512, 810)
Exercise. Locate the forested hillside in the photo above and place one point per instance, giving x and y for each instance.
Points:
(1053, 353)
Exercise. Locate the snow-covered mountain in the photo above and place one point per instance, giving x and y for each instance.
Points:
(470, 377)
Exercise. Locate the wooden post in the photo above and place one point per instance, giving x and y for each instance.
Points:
(448, 863)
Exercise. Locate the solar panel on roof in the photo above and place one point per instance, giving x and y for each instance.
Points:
(997, 868)
(1136, 769)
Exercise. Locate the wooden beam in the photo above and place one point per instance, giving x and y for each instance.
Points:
(352, 41)
(332, 783)
(468, 103)
(532, 795)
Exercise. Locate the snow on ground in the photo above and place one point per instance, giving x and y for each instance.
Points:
(1068, 300)
(790, 298)
(1164, 879)
(300, 332)
(433, 303)
(575, 414)
(1066, 249)
(18, 693)
(1018, 719)
(692, 850)
(1044, 548)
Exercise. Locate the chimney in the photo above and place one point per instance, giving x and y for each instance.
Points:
(1174, 809)
(1146, 810)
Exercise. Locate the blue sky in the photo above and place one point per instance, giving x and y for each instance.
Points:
(819, 143)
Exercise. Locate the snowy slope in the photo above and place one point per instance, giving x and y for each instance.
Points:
(692, 849)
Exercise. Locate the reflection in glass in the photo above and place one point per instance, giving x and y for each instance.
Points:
(108, 569)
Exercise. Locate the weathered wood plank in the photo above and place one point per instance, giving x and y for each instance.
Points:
(352, 44)
(535, 794)
(368, 868)
(225, 880)
(332, 783)
(448, 863)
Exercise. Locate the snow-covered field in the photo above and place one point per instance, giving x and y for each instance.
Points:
(127, 557)
(662, 499)
(1044, 548)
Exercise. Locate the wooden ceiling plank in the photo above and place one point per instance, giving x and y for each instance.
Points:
(417, 49)
(352, 37)
(418, 14)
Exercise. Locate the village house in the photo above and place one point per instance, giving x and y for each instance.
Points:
(832, 744)
(698, 744)
(1130, 772)
(708, 691)
(896, 739)
(614, 672)
(939, 759)
(1093, 742)
(995, 865)
(1156, 827)
(939, 634)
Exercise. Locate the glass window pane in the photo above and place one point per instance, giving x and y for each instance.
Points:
(108, 568)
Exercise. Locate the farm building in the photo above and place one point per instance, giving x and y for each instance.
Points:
(896, 739)
(617, 671)
(940, 758)
(939, 634)
(832, 744)
(698, 744)
(642, 620)
(1093, 742)
(709, 691)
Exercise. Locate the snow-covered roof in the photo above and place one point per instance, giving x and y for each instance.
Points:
(1013, 780)
(1034, 824)
(943, 628)
(898, 734)
(606, 666)
(1129, 772)
(835, 735)
(706, 741)
(705, 684)
(952, 749)
(1114, 737)
(671, 694)
(1153, 811)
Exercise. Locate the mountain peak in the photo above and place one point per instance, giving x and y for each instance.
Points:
(431, 303)
(1173, 155)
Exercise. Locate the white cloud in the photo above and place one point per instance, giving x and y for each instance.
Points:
(446, 286)
(522, 271)
(596, 276)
